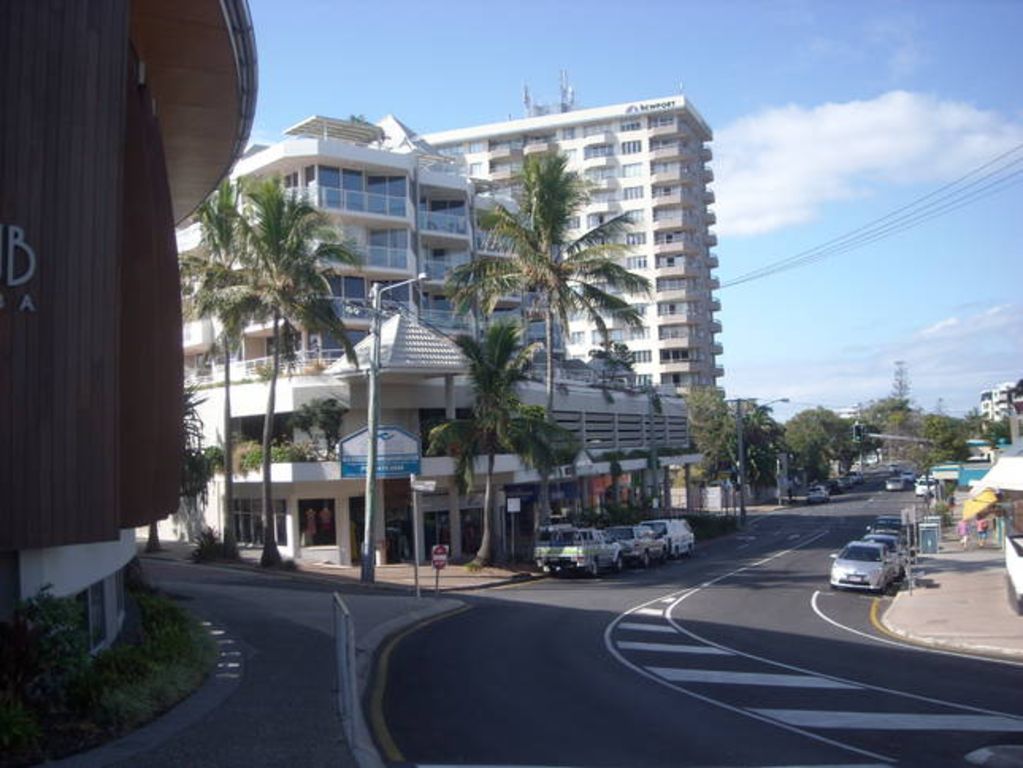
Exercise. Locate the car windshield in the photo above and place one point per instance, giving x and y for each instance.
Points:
(861, 554)
(658, 528)
(557, 537)
(884, 541)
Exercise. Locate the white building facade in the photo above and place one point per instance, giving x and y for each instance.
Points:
(996, 403)
(648, 160)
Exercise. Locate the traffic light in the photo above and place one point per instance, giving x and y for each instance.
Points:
(858, 433)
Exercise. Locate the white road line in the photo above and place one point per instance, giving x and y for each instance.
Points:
(905, 646)
(721, 677)
(627, 645)
(637, 627)
(892, 721)
(649, 612)
(669, 599)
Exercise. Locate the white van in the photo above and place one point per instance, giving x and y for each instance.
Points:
(677, 534)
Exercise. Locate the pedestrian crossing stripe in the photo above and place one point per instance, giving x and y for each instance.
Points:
(892, 721)
(648, 612)
(709, 650)
(638, 627)
(722, 677)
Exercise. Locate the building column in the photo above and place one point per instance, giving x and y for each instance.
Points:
(666, 495)
(343, 531)
(424, 545)
(689, 500)
(455, 521)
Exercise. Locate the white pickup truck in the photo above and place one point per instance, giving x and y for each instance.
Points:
(561, 548)
(678, 537)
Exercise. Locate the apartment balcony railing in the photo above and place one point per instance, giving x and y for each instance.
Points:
(677, 336)
(504, 152)
(715, 305)
(446, 318)
(717, 348)
(711, 218)
(712, 261)
(599, 137)
(305, 362)
(538, 146)
(706, 155)
(715, 326)
(677, 245)
(671, 151)
(382, 257)
(711, 239)
(708, 175)
(671, 129)
(351, 201)
(446, 223)
(708, 196)
(440, 269)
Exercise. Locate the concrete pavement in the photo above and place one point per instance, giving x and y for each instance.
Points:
(959, 603)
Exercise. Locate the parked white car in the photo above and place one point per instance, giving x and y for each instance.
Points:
(678, 537)
(864, 565)
(562, 548)
(925, 486)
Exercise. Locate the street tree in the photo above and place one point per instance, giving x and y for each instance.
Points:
(323, 415)
(500, 422)
(947, 439)
(712, 431)
(559, 275)
(817, 437)
(292, 247)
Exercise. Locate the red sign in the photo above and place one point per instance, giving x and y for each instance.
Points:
(439, 555)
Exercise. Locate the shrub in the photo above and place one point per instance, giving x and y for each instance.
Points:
(61, 643)
(19, 729)
(209, 547)
(711, 526)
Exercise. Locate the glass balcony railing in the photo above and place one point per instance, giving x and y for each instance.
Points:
(446, 318)
(440, 269)
(336, 199)
(383, 257)
(433, 221)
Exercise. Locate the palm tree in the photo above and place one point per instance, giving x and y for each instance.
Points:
(500, 423)
(291, 247)
(215, 287)
(566, 275)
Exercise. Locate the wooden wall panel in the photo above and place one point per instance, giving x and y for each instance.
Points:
(62, 76)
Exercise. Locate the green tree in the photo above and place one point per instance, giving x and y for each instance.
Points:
(616, 358)
(500, 423)
(291, 247)
(817, 437)
(712, 431)
(563, 275)
(764, 439)
(323, 414)
(214, 286)
(947, 436)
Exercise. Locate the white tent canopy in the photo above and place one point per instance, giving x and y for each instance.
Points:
(1005, 475)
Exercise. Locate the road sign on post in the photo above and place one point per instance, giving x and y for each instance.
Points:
(439, 555)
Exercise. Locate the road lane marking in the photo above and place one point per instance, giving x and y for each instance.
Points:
(650, 612)
(722, 677)
(899, 643)
(637, 627)
(892, 721)
(627, 645)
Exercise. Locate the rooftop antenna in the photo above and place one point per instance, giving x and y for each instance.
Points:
(527, 102)
(567, 93)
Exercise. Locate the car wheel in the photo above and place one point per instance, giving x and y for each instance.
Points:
(692, 549)
(646, 559)
(619, 565)
(594, 568)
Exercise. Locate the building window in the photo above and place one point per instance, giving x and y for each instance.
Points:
(248, 521)
(94, 614)
(632, 170)
(656, 121)
(644, 379)
(568, 133)
(662, 166)
(475, 169)
(633, 193)
(477, 146)
(573, 222)
(630, 125)
(642, 356)
(595, 128)
(599, 174)
(631, 147)
(577, 337)
(674, 355)
(594, 220)
(598, 150)
(671, 284)
(634, 216)
(672, 332)
(569, 154)
(635, 262)
(635, 238)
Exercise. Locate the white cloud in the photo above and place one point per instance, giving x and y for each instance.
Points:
(952, 359)
(781, 166)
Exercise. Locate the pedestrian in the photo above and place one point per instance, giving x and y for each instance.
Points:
(963, 531)
(982, 528)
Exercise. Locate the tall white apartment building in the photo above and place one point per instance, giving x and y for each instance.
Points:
(996, 403)
(646, 159)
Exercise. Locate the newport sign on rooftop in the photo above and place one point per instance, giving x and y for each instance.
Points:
(397, 453)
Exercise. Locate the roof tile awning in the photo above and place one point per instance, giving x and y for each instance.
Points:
(406, 347)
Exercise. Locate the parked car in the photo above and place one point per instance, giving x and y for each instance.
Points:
(895, 547)
(856, 477)
(563, 548)
(679, 538)
(834, 487)
(925, 486)
(887, 524)
(863, 565)
(895, 483)
(639, 544)
(908, 476)
(817, 494)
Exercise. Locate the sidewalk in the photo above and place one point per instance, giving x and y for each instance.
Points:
(960, 603)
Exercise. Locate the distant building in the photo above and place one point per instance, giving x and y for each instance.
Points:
(996, 403)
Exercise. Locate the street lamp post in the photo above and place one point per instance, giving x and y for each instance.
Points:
(376, 292)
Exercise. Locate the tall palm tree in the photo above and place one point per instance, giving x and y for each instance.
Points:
(291, 247)
(214, 284)
(500, 423)
(566, 275)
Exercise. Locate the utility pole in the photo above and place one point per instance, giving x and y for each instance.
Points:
(742, 463)
(368, 572)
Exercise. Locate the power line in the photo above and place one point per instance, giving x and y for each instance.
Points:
(955, 194)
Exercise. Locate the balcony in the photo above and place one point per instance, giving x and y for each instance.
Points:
(446, 318)
(438, 270)
(666, 177)
(715, 326)
(504, 152)
(710, 239)
(717, 349)
(197, 336)
(719, 371)
(708, 175)
(708, 196)
(505, 173)
(713, 284)
(675, 294)
(443, 224)
(538, 147)
(671, 152)
(705, 154)
(304, 363)
(711, 218)
(599, 161)
(712, 261)
(680, 366)
(382, 257)
(679, 269)
(600, 137)
(676, 247)
(715, 305)
(602, 206)
(681, 340)
(350, 201)
(663, 131)
(666, 201)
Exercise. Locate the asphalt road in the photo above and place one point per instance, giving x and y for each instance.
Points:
(739, 656)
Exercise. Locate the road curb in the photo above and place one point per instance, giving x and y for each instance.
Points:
(993, 652)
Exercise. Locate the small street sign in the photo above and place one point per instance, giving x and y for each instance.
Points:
(424, 486)
(439, 555)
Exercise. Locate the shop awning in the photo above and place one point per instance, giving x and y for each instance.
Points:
(979, 504)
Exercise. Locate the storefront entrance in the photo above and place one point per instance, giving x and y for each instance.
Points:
(356, 527)
(316, 521)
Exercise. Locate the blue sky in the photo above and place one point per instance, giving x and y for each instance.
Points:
(826, 115)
